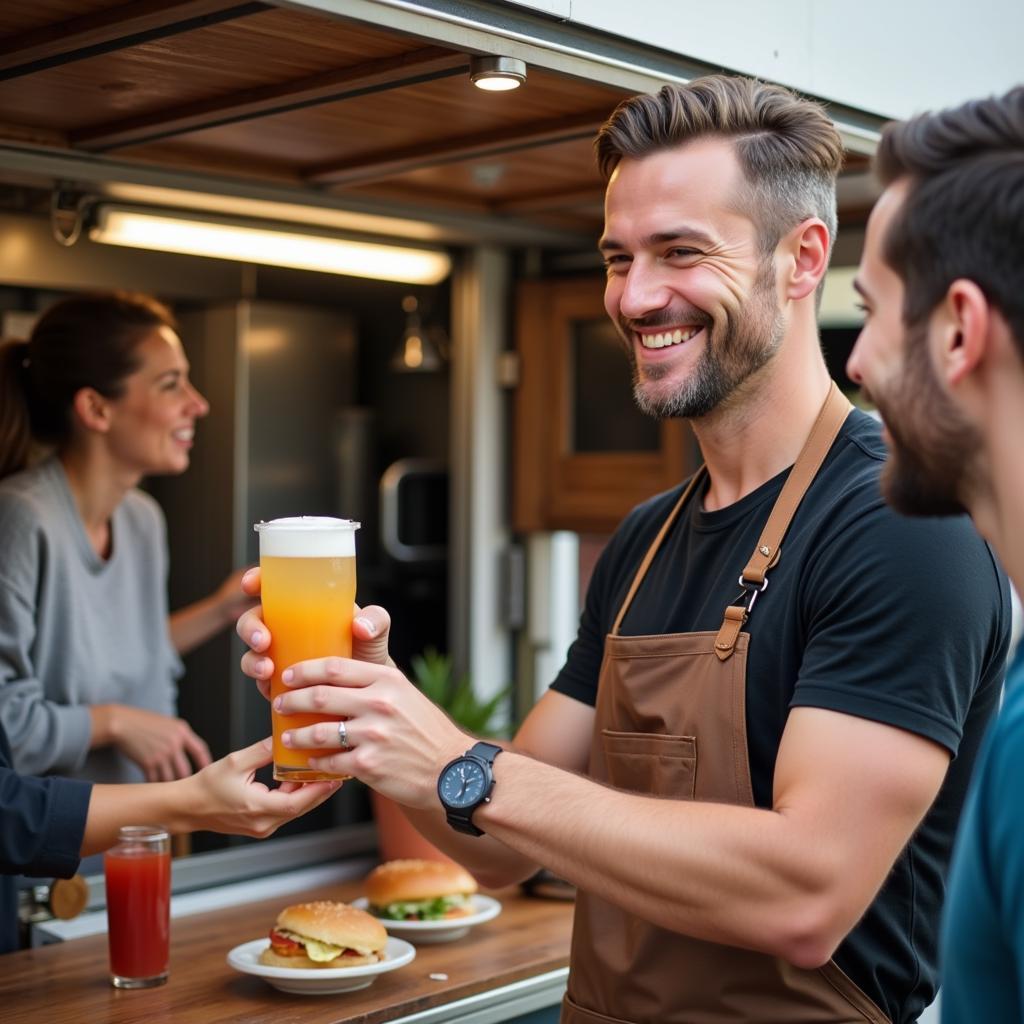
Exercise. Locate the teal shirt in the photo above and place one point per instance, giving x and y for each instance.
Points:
(982, 951)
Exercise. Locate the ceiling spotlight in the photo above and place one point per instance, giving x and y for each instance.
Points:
(497, 74)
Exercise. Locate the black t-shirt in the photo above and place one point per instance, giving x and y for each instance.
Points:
(902, 621)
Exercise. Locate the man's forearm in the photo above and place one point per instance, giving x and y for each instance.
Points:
(665, 861)
(490, 861)
(734, 875)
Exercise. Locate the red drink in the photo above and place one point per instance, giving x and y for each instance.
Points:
(138, 872)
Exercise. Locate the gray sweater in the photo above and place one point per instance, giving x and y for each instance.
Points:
(77, 630)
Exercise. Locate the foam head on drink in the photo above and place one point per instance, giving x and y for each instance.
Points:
(308, 567)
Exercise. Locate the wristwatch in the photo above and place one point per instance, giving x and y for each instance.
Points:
(466, 783)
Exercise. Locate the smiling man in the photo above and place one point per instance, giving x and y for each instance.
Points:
(942, 353)
(753, 787)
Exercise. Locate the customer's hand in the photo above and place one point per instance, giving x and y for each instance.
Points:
(231, 598)
(160, 745)
(371, 627)
(225, 796)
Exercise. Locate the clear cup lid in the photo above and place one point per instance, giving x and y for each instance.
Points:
(307, 537)
(306, 523)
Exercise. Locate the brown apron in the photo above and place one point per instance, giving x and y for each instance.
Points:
(671, 722)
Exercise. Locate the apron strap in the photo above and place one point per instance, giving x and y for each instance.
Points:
(823, 434)
(754, 577)
(695, 481)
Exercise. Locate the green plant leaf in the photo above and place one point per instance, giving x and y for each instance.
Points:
(434, 674)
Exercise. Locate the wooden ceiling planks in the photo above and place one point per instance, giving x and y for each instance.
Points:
(390, 133)
(581, 219)
(383, 73)
(494, 142)
(281, 95)
(207, 64)
(16, 19)
(102, 31)
(560, 170)
(264, 165)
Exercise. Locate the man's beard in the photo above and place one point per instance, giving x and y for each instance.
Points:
(750, 339)
(933, 447)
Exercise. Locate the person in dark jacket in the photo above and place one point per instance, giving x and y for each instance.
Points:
(48, 824)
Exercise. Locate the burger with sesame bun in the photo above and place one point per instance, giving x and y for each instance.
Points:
(420, 890)
(324, 934)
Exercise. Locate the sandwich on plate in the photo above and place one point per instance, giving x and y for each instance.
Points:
(420, 890)
(324, 934)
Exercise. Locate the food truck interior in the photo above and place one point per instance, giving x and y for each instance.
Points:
(349, 122)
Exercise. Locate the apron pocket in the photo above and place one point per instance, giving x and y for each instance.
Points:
(658, 765)
(573, 1013)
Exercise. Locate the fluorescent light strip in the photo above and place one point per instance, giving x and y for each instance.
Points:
(320, 218)
(171, 233)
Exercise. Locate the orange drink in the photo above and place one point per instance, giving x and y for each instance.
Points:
(308, 569)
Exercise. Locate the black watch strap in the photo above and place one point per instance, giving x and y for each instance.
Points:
(484, 751)
(461, 818)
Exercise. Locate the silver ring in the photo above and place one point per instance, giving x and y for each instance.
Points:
(343, 736)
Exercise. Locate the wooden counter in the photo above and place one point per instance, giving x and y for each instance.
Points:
(67, 983)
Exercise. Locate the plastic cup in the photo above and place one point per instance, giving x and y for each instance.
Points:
(308, 567)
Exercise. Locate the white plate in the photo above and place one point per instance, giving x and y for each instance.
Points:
(323, 980)
(445, 930)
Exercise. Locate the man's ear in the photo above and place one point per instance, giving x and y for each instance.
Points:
(807, 245)
(960, 327)
(92, 410)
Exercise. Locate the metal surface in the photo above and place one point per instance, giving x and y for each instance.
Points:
(473, 25)
(41, 166)
(391, 482)
(267, 885)
(487, 28)
(253, 860)
(499, 1004)
(478, 530)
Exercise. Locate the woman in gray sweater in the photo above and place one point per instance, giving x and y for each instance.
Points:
(88, 659)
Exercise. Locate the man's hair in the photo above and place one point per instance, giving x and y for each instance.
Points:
(788, 149)
(963, 216)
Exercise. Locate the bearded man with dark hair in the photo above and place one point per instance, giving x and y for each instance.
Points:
(942, 353)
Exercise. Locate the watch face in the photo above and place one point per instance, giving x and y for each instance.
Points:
(463, 784)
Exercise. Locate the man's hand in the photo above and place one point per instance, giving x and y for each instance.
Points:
(371, 627)
(398, 740)
(159, 744)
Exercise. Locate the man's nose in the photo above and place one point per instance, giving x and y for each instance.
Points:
(853, 370)
(643, 292)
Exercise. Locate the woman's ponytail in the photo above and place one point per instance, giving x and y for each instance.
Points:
(15, 420)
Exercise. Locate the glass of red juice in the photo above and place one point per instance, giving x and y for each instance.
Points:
(138, 873)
